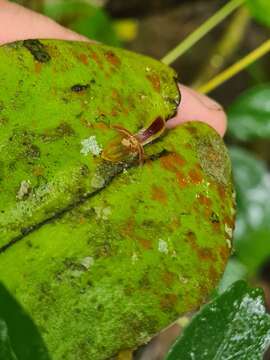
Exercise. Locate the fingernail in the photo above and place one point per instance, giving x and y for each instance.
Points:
(209, 103)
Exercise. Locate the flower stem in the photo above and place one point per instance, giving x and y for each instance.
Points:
(204, 29)
(236, 68)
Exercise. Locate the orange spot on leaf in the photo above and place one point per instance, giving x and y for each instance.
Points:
(159, 194)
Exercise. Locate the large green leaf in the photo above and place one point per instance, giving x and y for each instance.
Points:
(249, 115)
(233, 326)
(252, 181)
(260, 10)
(103, 254)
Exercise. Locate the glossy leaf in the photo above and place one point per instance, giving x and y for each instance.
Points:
(249, 115)
(233, 326)
(260, 10)
(252, 181)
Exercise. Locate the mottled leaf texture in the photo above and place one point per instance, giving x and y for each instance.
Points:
(103, 254)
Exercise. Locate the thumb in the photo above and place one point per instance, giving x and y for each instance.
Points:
(195, 106)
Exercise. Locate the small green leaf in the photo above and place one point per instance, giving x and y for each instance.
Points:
(233, 326)
(249, 116)
(260, 10)
(252, 182)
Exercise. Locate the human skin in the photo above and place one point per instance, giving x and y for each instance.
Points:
(18, 23)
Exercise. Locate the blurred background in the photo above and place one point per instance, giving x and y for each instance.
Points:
(154, 27)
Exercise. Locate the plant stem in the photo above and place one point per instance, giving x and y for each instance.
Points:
(204, 29)
(225, 47)
(236, 68)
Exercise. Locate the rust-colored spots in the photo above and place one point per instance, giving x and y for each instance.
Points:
(206, 254)
(155, 81)
(195, 176)
(172, 162)
(38, 67)
(168, 278)
(202, 252)
(145, 243)
(38, 170)
(128, 229)
(169, 301)
(182, 179)
(83, 58)
(222, 191)
(101, 125)
(82, 220)
(97, 60)
(224, 253)
(159, 194)
(191, 129)
(112, 58)
(204, 200)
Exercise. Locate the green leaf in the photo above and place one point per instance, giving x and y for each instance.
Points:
(104, 254)
(84, 18)
(233, 326)
(6, 351)
(260, 10)
(19, 336)
(249, 115)
(234, 271)
(252, 182)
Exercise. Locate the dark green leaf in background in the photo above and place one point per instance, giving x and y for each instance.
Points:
(249, 116)
(252, 234)
(19, 337)
(6, 352)
(260, 10)
(234, 326)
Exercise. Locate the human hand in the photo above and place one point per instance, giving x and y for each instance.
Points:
(18, 23)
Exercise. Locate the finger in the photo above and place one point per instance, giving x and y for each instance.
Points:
(195, 106)
(19, 23)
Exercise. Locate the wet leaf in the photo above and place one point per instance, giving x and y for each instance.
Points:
(233, 326)
(260, 10)
(252, 182)
(249, 115)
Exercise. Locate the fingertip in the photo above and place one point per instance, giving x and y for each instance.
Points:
(198, 107)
